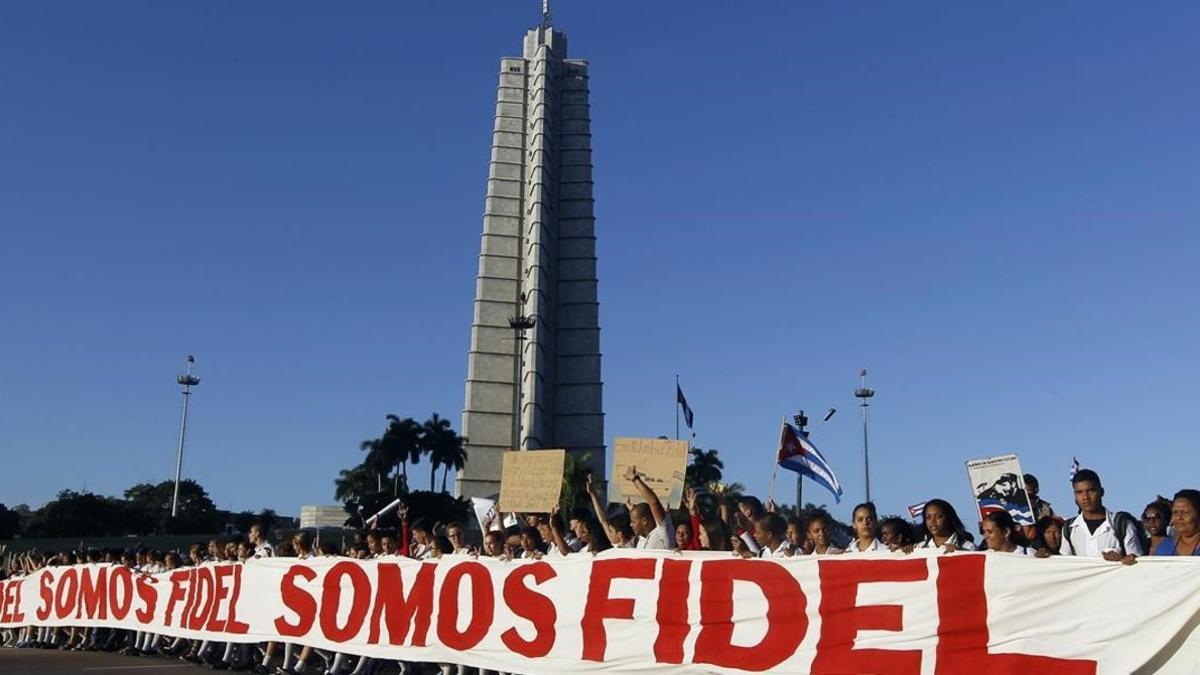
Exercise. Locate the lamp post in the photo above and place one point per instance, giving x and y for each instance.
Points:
(864, 394)
(519, 324)
(187, 380)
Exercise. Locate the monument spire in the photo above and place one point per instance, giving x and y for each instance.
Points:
(533, 369)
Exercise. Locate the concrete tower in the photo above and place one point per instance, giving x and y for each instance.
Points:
(537, 265)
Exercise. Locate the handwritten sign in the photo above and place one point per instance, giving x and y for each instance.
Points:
(661, 462)
(531, 480)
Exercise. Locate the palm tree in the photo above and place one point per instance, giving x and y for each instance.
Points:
(402, 442)
(444, 446)
(705, 467)
(377, 459)
(356, 482)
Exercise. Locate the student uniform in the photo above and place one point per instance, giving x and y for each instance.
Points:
(876, 545)
(1079, 540)
(661, 537)
(953, 540)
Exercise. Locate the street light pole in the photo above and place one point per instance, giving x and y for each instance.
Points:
(188, 381)
(864, 394)
(519, 323)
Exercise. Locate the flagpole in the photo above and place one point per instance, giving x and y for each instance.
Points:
(676, 406)
(775, 468)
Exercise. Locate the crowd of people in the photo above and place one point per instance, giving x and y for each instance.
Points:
(742, 526)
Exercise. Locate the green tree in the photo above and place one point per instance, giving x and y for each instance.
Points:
(354, 483)
(402, 444)
(445, 448)
(150, 506)
(10, 522)
(574, 486)
(377, 460)
(704, 468)
(80, 514)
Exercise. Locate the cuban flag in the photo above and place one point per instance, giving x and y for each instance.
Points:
(687, 409)
(797, 453)
(916, 510)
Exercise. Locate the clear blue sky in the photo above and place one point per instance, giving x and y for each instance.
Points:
(996, 209)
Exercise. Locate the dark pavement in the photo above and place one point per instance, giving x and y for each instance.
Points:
(54, 662)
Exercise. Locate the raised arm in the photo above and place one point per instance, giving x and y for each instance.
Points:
(651, 499)
(557, 535)
(601, 512)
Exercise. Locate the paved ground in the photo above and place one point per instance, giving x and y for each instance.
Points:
(54, 662)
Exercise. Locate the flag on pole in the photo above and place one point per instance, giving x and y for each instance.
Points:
(1074, 466)
(687, 410)
(916, 510)
(797, 453)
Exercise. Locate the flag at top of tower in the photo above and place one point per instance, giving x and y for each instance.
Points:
(797, 453)
(687, 410)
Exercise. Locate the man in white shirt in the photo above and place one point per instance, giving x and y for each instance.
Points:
(1097, 532)
(262, 547)
(649, 519)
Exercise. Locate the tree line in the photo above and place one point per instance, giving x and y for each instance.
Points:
(143, 510)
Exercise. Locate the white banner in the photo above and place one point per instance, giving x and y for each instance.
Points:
(631, 611)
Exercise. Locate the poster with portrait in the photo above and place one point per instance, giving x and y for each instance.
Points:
(999, 485)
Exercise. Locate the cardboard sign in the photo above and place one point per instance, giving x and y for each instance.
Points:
(999, 485)
(531, 480)
(661, 462)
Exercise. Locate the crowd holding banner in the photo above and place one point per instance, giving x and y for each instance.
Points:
(726, 585)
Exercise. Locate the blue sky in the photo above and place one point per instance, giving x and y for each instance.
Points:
(994, 209)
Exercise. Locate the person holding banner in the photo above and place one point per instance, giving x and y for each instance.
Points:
(1001, 534)
(648, 518)
(944, 529)
(897, 535)
(866, 530)
(1185, 518)
(1097, 532)
(818, 535)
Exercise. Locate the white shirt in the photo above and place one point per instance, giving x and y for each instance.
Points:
(1020, 550)
(1079, 541)
(421, 552)
(784, 550)
(264, 550)
(964, 546)
(876, 545)
(660, 538)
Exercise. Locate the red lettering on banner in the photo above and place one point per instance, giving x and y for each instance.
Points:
(64, 594)
(331, 600)
(842, 617)
(233, 625)
(963, 632)
(399, 611)
(203, 603)
(483, 606)
(149, 598)
(121, 576)
(92, 597)
(672, 616)
(298, 600)
(600, 606)
(216, 623)
(46, 594)
(177, 593)
(10, 600)
(533, 607)
(786, 619)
